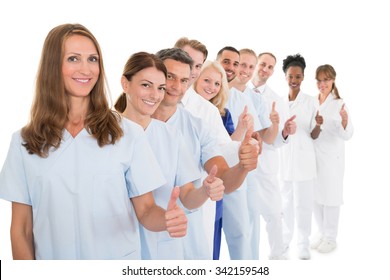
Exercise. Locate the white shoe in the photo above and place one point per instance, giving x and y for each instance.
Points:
(281, 257)
(327, 246)
(304, 254)
(317, 240)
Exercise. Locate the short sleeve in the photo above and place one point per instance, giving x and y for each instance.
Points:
(13, 184)
(144, 174)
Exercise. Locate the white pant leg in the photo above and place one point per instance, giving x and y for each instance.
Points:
(274, 229)
(318, 214)
(331, 222)
(288, 212)
(303, 198)
(271, 210)
(254, 220)
(254, 204)
(235, 224)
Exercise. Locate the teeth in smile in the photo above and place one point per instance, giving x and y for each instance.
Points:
(82, 80)
(149, 102)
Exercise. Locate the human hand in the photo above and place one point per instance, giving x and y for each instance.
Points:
(319, 119)
(214, 186)
(290, 127)
(249, 151)
(245, 120)
(175, 218)
(344, 116)
(274, 115)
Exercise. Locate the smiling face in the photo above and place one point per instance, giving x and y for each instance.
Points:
(247, 67)
(230, 61)
(265, 68)
(294, 78)
(324, 83)
(209, 83)
(177, 81)
(80, 66)
(145, 90)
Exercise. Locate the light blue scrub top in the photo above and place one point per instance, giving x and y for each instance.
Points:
(179, 168)
(198, 138)
(80, 193)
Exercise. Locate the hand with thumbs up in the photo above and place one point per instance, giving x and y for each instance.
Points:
(274, 115)
(245, 122)
(248, 152)
(290, 127)
(319, 119)
(175, 218)
(214, 186)
(344, 116)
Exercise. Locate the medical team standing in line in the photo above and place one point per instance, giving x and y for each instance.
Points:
(89, 182)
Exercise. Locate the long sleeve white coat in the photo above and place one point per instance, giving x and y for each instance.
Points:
(298, 161)
(330, 150)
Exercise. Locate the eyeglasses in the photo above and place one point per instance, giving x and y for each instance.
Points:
(324, 81)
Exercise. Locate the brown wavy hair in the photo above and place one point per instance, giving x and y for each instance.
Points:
(137, 62)
(49, 111)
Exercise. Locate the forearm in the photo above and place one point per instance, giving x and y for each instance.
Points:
(269, 134)
(192, 197)
(238, 133)
(316, 132)
(234, 177)
(150, 215)
(154, 219)
(22, 246)
(22, 238)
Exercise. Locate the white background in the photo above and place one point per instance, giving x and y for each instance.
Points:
(352, 36)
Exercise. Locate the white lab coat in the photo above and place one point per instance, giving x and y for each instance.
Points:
(298, 162)
(329, 148)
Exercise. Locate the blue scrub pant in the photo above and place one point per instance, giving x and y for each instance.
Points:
(217, 230)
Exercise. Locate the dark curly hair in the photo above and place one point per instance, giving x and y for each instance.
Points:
(294, 60)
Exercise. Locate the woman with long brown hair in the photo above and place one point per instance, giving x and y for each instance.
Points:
(78, 175)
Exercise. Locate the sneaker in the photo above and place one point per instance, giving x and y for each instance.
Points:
(304, 254)
(327, 246)
(281, 257)
(316, 241)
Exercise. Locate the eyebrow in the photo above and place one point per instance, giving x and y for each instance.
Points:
(145, 80)
(75, 53)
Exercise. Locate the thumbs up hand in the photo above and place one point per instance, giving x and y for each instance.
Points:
(344, 116)
(214, 186)
(319, 119)
(175, 218)
(290, 127)
(274, 115)
(249, 151)
(245, 120)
